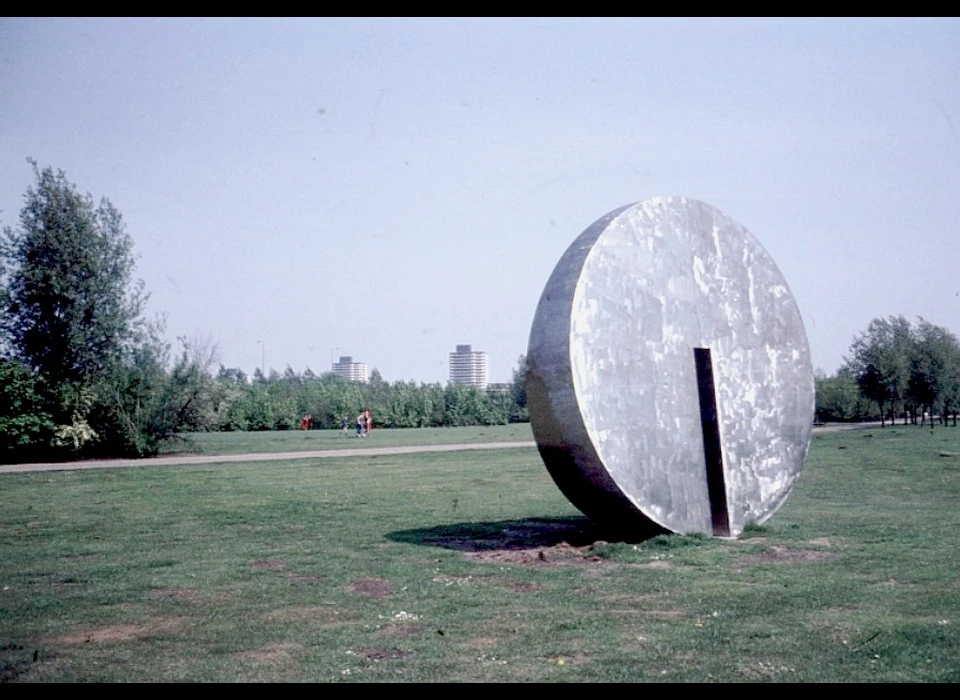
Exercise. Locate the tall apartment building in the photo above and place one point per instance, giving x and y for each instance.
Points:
(468, 366)
(350, 370)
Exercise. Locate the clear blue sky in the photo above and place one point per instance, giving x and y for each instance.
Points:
(389, 188)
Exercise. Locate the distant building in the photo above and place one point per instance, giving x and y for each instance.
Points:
(350, 370)
(501, 388)
(468, 366)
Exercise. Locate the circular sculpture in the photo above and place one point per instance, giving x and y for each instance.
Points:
(669, 378)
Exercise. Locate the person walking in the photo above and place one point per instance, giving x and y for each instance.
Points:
(361, 424)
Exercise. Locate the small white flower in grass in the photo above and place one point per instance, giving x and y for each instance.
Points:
(939, 622)
(404, 616)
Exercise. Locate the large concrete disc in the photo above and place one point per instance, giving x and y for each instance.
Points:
(670, 383)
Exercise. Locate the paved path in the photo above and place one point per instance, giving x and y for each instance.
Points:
(312, 454)
(256, 457)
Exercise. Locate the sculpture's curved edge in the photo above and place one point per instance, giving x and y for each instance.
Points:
(568, 453)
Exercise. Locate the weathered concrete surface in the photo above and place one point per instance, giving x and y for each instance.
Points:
(612, 387)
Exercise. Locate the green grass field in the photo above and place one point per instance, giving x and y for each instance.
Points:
(308, 440)
(473, 567)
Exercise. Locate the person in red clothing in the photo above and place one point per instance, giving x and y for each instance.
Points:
(368, 423)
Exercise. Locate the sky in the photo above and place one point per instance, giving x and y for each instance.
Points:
(301, 189)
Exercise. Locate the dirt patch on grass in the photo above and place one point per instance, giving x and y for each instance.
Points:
(274, 654)
(508, 556)
(782, 555)
(325, 616)
(383, 654)
(371, 587)
(562, 554)
(122, 633)
(268, 565)
(821, 542)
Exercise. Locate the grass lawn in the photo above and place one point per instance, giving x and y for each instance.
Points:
(308, 440)
(473, 567)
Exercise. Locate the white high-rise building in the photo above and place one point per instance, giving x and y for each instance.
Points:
(468, 366)
(350, 370)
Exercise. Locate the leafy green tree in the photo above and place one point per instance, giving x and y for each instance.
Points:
(880, 360)
(838, 399)
(26, 426)
(70, 309)
(70, 303)
(934, 365)
(72, 313)
(518, 392)
(129, 415)
(232, 375)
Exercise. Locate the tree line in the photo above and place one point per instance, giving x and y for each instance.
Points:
(895, 370)
(278, 401)
(83, 372)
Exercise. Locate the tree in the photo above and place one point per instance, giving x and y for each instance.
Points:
(519, 386)
(70, 303)
(914, 367)
(203, 351)
(934, 364)
(518, 391)
(71, 315)
(880, 360)
(24, 421)
(838, 398)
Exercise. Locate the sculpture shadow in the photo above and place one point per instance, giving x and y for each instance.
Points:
(526, 533)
